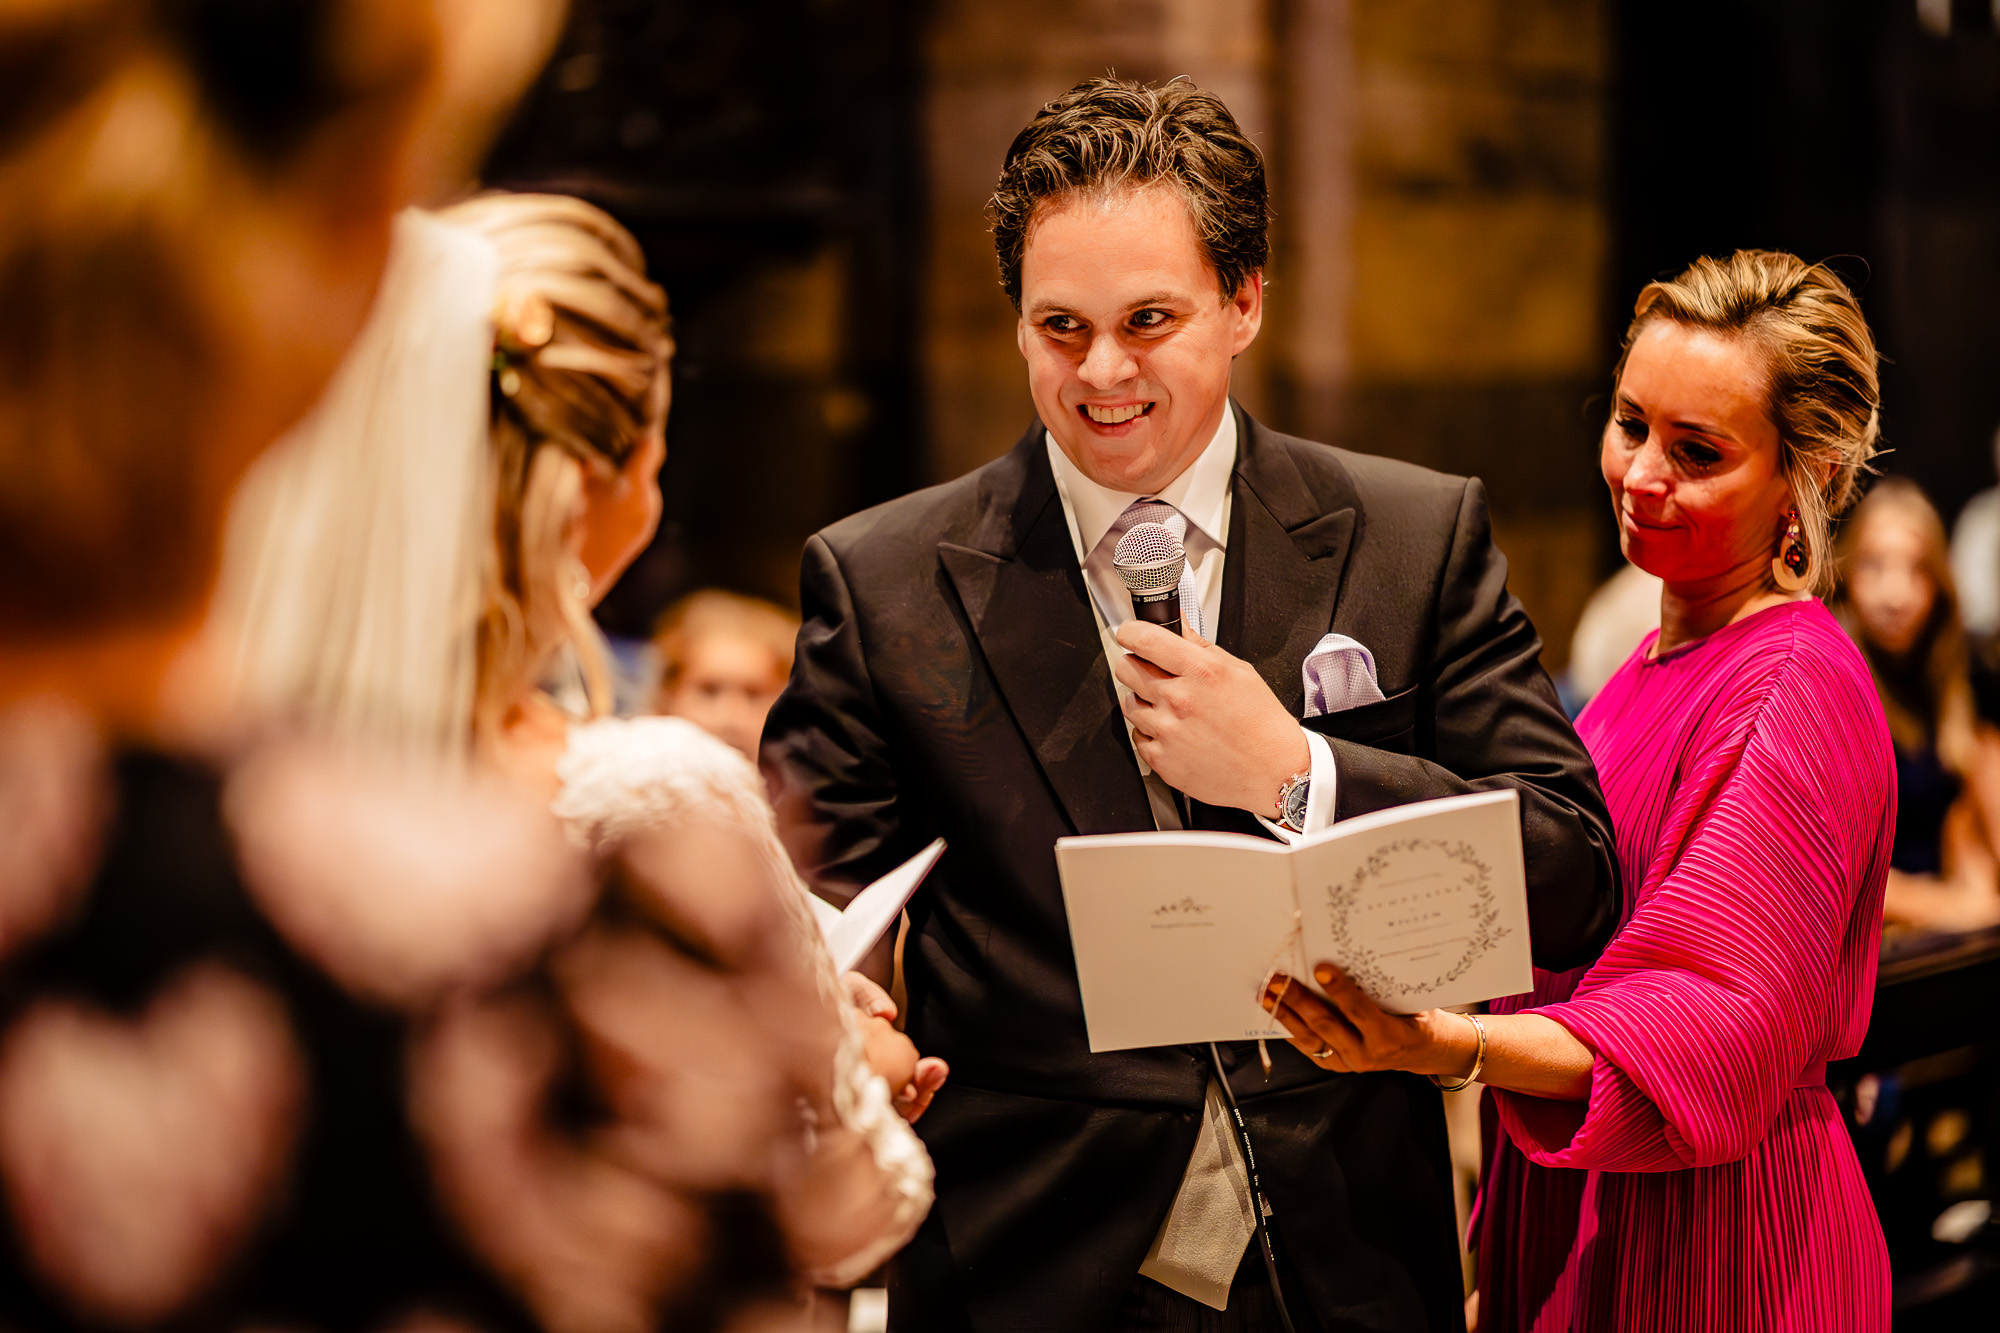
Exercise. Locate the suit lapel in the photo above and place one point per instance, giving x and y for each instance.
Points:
(1288, 549)
(1025, 599)
(1287, 552)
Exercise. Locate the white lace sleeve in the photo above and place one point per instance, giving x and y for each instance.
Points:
(621, 776)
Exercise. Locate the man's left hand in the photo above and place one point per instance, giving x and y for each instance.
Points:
(1206, 722)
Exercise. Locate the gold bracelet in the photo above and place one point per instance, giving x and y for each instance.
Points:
(1478, 1061)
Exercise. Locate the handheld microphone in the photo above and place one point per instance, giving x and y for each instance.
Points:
(1150, 559)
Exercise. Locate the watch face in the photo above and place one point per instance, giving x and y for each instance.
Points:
(1295, 805)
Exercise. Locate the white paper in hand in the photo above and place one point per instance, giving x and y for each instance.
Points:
(852, 933)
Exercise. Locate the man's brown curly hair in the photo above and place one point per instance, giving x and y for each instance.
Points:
(1108, 135)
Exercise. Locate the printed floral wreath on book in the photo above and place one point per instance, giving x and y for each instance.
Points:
(1362, 965)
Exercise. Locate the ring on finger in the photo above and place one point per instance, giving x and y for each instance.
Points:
(1322, 1053)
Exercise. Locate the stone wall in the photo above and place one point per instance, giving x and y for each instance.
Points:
(1480, 252)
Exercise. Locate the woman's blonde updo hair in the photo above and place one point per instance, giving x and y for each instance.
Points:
(1819, 362)
(579, 378)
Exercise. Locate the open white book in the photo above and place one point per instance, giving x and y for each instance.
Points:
(1423, 905)
(850, 934)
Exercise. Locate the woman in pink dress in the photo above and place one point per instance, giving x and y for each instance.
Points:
(1662, 1151)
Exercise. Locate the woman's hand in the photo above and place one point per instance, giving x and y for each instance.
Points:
(913, 1079)
(1529, 1053)
(1354, 1035)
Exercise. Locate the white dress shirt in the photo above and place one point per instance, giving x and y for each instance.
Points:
(1202, 494)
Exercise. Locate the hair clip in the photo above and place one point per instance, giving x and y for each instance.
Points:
(524, 323)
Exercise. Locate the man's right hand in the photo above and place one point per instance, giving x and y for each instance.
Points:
(1205, 721)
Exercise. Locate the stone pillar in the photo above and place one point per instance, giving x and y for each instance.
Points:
(1479, 258)
(1308, 317)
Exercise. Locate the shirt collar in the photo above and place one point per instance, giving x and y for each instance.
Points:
(1200, 492)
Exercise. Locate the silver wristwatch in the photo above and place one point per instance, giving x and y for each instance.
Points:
(1292, 799)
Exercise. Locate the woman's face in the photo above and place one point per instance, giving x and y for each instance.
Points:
(1692, 460)
(1888, 583)
(621, 513)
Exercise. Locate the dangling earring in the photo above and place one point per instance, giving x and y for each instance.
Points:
(1788, 566)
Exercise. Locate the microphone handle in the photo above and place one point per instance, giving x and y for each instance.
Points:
(1162, 609)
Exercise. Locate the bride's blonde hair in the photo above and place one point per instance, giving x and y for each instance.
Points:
(400, 568)
(578, 379)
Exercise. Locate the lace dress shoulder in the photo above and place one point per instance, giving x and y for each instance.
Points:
(623, 776)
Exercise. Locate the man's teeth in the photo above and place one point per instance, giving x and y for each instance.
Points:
(1111, 416)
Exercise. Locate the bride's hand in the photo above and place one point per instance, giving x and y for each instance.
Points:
(915, 1098)
(1354, 1035)
(913, 1079)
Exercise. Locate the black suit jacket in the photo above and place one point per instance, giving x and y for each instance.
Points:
(950, 681)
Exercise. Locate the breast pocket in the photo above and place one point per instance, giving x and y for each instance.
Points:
(1388, 725)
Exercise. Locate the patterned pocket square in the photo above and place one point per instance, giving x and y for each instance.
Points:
(1339, 674)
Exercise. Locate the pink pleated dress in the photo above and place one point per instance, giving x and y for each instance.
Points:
(1708, 1183)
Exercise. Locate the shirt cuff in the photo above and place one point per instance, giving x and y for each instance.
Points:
(1319, 798)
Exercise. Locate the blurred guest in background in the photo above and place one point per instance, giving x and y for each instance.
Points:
(409, 565)
(1975, 559)
(723, 659)
(1666, 1154)
(1623, 611)
(1899, 602)
(312, 1044)
(205, 1114)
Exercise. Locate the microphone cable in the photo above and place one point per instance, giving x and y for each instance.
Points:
(1260, 1209)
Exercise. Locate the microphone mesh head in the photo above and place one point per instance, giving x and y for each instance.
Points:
(1149, 558)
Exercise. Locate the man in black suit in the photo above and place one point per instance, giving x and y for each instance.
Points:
(955, 677)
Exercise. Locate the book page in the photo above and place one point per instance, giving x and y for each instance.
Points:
(1173, 932)
(1423, 905)
(851, 933)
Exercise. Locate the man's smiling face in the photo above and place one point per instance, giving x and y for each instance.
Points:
(1127, 335)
